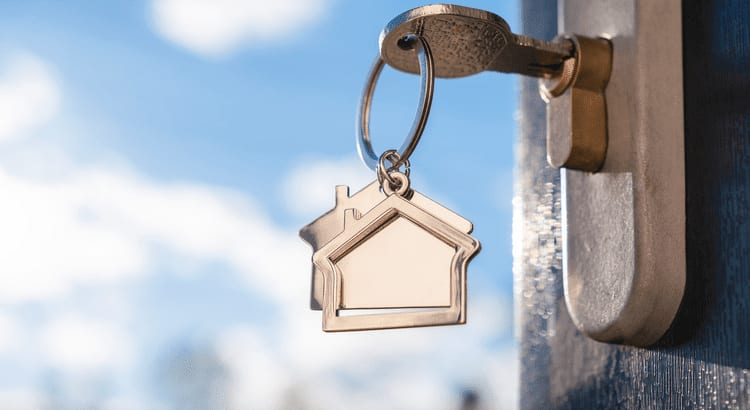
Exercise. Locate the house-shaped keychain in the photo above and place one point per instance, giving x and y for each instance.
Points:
(406, 256)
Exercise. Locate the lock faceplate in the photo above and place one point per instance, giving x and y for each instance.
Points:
(624, 226)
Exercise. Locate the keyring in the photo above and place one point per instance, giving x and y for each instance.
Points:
(364, 142)
(384, 172)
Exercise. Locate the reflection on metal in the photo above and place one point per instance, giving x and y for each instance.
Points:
(576, 107)
(624, 226)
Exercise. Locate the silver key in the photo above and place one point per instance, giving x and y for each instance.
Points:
(467, 41)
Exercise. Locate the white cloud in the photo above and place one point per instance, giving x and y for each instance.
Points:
(51, 239)
(29, 96)
(309, 189)
(413, 368)
(98, 226)
(130, 403)
(78, 344)
(502, 382)
(218, 27)
(10, 333)
(258, 374)
(21, 399)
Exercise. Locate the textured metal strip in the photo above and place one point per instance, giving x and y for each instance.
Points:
(624, 227)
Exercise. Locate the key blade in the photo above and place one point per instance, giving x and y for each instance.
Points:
(532, 57)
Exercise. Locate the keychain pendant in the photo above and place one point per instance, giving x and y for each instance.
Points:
(329, 225)
(404, 257)
(388, 257)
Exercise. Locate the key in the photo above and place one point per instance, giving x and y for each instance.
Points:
(467, 41)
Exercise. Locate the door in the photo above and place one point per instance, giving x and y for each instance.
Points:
(703, 361)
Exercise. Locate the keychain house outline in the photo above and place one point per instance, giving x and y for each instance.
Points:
(357, 229)
(323, 229)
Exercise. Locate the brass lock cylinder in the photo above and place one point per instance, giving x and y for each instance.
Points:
(576, 107)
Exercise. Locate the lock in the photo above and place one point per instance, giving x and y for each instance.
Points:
(576, 107)
(622, 194)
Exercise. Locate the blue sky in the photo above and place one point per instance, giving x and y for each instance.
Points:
(156, 160)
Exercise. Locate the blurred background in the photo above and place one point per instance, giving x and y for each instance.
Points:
(157, 158)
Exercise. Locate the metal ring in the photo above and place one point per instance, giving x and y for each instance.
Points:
(402, 185)
(364, 142)
(383, 171)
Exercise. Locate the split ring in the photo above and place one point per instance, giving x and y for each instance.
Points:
(427, 76)
(401, 187)
(384, 171)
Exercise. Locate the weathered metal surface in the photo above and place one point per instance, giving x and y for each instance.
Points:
(624, 226)
(467, 41)
(704, 360)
